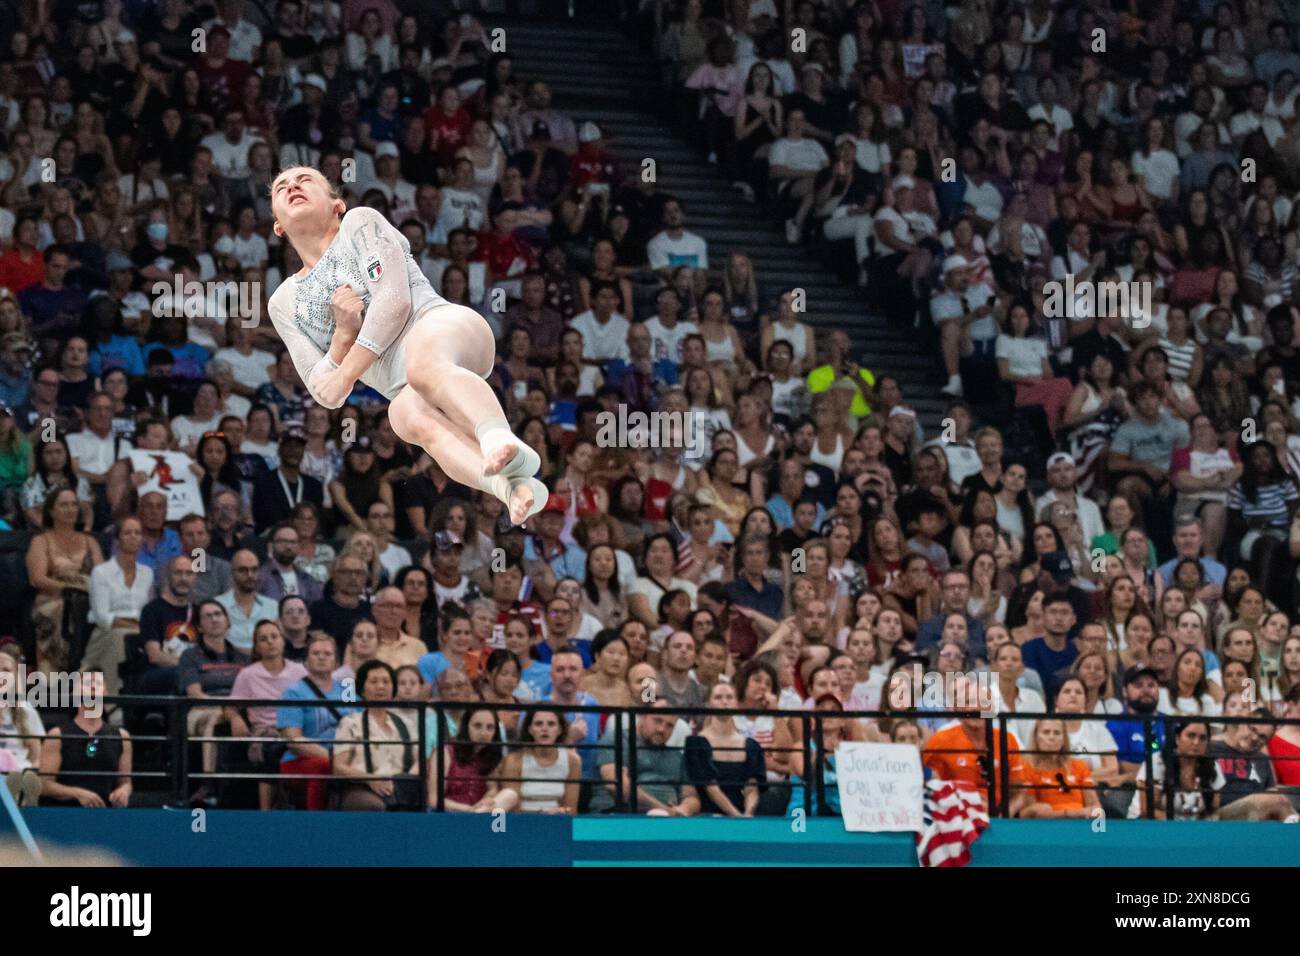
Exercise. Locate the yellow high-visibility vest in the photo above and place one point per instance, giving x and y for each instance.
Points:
(822, 379)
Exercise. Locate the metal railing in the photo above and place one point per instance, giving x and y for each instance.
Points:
(992, 760)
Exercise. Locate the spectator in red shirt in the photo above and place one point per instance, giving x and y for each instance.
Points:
(221, 77)
(507, 584)
(448, 124)
(504, 252)
(22, 266)
(592, 163)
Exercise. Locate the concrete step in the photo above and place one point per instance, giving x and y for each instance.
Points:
(596, 74)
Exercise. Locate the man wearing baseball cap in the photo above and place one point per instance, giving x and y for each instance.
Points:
(565, 558)
(15, 376)
(449, 584)
(963, 311)
(1056, 573)
(1141, 696)
(823, 115)
(388, 179)
(276, 493)
(306, 125)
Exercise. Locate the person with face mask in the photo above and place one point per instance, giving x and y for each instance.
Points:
(154, 255)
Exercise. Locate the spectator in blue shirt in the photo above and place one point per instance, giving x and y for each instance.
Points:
(110, 346)
(751, 588)
(189, 360)
(833, 731)
(1278, 57)
(789, 492)
(1052, 653)
(15, 376)
(160, 543)
(535, 675)
(457, 637)
(1141, 697)
(563, 627)
(310, 730)
(637, 378)
(54, 308)
(565, 558)
(954, 600)
(1189, 540)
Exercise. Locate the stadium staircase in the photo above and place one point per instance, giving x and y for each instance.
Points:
(597, 73)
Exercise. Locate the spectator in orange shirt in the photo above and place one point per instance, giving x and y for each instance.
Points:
(1058, 784)
(961, 751)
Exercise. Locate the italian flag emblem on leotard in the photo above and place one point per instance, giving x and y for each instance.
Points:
(374, 270)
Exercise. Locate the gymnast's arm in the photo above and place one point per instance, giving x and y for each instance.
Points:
(331, 378)
(379, 247)
(314, 366)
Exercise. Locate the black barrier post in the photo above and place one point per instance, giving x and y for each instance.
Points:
(440, 758)
(1173, 771)
(185, 751)
(989, 750)
(1149, 761)
(807, 763)
(820, 759)
(1004, 771)
(618, 759)
(177, 716)
(631, 768)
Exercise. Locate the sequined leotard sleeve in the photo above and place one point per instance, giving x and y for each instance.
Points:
(372, 257)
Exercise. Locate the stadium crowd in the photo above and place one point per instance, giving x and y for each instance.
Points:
(1101, 527)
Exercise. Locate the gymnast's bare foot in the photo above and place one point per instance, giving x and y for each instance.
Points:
(498, 458)
(527, 497)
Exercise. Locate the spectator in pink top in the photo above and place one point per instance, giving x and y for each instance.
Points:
(267, 678)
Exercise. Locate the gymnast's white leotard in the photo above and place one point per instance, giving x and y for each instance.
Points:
(371, 256)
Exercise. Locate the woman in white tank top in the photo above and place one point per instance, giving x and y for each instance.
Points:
(751, 421)
(788, 328)
(541, 777)
(487, 157)
(829, 425)
(721, 340)
(831, 460)
(719, 351)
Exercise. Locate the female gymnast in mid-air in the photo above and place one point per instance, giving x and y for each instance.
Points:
(361, 310)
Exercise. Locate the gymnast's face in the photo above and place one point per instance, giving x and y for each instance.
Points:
(301, 202)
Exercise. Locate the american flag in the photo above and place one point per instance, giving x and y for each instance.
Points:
(954, 818)
(685, 559)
